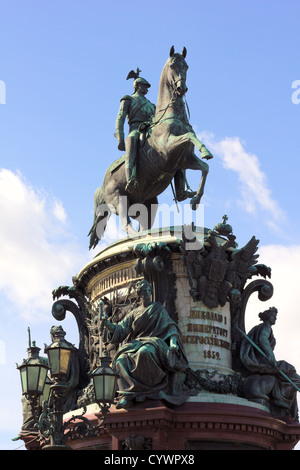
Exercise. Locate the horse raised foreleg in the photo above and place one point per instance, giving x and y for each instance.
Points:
(205, 153)
(194, 163)
(178, 141)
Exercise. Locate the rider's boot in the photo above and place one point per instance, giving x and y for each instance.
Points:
(130, 168)
(181, 192)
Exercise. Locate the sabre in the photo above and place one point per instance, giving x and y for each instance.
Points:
(175, 198)
(101, 329)
(101, 314)
(261, 352)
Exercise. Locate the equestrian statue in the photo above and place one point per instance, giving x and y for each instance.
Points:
(159, 148)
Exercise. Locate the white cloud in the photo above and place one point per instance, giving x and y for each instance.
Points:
(254, 191)
(37, 253)
(59, 211)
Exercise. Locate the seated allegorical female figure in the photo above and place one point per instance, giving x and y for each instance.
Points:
(150, 360)
(265, 382)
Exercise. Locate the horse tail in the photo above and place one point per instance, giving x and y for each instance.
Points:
(101, 216)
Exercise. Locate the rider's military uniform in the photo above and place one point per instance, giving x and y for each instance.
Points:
(138, 110)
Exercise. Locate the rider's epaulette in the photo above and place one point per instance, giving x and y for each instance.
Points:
(126, 97)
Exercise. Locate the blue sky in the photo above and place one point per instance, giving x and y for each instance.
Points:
(63, 69)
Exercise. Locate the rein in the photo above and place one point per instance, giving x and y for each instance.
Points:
(187, 107)
(172, 100)
(160, 120)
(164, 112)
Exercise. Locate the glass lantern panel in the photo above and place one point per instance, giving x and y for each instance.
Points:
(42, 378)
(99, 387)
(54, 360)
(23, 379)
(64, 360)
(109, 391)
(45, 395)
(33, 377)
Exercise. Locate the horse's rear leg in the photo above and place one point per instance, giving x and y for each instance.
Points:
(146, 220)
(101, 216)
(124, 217)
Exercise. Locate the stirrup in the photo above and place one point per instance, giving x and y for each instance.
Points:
(182, 195)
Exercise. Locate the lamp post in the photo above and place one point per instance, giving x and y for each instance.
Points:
(53, 431)
(51, 421)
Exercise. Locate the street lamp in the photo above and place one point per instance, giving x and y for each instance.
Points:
(33, 373)
(104, 382)
(59, 354)
(51, 422)
(52, 429)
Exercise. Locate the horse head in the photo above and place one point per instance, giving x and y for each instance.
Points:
(176, 71)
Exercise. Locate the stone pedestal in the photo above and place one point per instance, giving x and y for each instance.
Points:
(216, 415)
(206, 332)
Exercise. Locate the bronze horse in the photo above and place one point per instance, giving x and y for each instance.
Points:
(168, 149)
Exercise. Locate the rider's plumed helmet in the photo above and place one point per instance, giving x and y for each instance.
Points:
(137, 79)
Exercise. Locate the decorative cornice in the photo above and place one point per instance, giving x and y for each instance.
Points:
(215, 421)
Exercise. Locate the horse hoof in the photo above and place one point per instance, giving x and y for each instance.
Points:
(140, 399)
(207, 157)
(124, 403)
(194, 203)
(205, 154)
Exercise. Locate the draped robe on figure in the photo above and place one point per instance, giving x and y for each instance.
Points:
(144, 363)
(262, 335)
